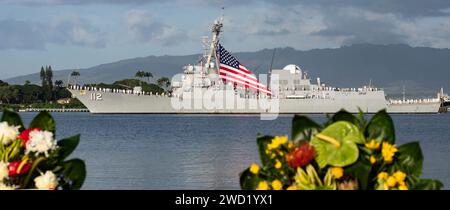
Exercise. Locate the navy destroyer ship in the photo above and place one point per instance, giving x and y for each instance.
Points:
(207, 88)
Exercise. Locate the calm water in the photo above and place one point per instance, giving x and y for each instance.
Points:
(206, 152)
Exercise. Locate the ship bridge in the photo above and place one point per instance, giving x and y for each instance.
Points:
(292, 80)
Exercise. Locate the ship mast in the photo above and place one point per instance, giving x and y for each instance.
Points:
(404, 99)
(270, 68)
(216, 29)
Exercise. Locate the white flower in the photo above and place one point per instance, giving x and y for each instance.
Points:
(40, 142)
(8, 133)
(46, 181)
(4, 172)
(7, 187)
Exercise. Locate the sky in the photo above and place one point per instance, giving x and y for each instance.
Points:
(83, 33)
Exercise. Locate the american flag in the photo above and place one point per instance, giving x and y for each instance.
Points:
(230, 70)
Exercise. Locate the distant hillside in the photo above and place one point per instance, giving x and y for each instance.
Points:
(111, 72)
(421, 70)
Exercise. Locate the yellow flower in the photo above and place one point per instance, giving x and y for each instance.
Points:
(292, 187)
(281, 153)
(282, 139)
(291, 145)
(388, 151)
(277, 164)
(277, 185)
(277, 141)
(273, 156)
(391, 181)
(403, 187)
(373, 145)
(382, 175)
(399, 176)
(262, 186)
(337, 172)
(402, 184)
(254, 168)
(373, 160)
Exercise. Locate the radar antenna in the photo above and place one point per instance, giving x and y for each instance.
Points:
(216, 29)
(205, 42)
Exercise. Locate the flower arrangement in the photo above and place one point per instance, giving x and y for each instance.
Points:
(345, 153)
(31, 158)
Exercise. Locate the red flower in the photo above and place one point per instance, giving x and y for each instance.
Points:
(301, 155)
(14, 167)
(25, 135)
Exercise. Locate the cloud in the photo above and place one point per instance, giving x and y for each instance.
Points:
(75, 31)
(407, 8)
(25, 35)
(144, 28)
(414, 22)
(354, 25)
(75, 2)
(276, 21)
(359, 26)
(429, 31)
(30, 35)
(379, 22)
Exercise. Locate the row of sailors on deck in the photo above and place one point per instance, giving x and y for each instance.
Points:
(109, 90)
(415, 101)
(365, 89)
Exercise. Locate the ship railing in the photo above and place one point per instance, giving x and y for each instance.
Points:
(113, 90)
(414, 101)
(363, 89)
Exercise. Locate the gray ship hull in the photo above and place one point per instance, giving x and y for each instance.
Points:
(99, 102)
(430, 107)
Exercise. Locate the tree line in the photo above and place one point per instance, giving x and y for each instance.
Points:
(162, 85)
(162, 82)
(28, 93)
(50, 91)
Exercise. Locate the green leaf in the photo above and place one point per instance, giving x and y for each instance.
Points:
(428, 184)
(360, 170)
(74, 172)
(67, 146)
(410, 159)
(343, 115)
(347, 153)
(381, 127)
(44, 121)
(248, 180)
(13, 119)
(303, 128)
(262, 142)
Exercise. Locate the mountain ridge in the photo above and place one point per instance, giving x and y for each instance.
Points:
(422, 70)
